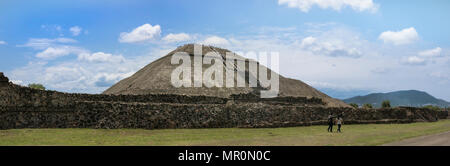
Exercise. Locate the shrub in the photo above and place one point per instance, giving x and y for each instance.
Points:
(432, 107)
(367, 105)
(36, 86)
(354, 105)
(386, 104)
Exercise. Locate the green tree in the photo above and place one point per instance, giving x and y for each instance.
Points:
(386, 104)
(432, 107)
(36, 86)
(354, 105)
(367, 105)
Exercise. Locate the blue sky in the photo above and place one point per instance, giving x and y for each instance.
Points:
(342, 47)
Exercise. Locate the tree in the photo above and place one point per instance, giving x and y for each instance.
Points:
(354, 105)
(432, 107)
(367, 105)
(36, 86)
(386, 104)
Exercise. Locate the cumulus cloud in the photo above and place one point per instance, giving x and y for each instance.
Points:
(431, 53)
(180, 37)
(308, 41)
(215, 41)
(76, 30)
(54, 52)
(101, 57)
(142, 33)
(305, 5)
(2, 42)
(405, 36)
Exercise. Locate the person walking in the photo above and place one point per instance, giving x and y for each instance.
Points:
(330, 122)
(339, 123)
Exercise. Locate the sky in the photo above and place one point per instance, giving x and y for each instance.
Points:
(341, 47)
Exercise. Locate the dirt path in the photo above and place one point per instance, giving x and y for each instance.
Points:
(441, 139)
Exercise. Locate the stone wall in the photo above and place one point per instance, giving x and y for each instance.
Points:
(4, 81)
(22, 107)
(14, 95)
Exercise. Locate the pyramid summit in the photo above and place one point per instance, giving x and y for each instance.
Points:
(156, 78)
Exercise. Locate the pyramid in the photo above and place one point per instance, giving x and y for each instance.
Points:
(155, 78)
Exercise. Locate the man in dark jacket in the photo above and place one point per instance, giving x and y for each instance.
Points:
(330, 122)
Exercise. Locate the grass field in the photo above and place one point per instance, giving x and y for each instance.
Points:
(373, 134)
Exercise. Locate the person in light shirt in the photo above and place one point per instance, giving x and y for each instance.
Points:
(339, 123)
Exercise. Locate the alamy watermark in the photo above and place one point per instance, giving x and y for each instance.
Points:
(227, 70)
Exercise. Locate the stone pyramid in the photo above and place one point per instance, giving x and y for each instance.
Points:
(155, 78)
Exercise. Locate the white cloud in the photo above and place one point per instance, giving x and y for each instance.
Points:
(83, 54)
(328, 85)
(215, 41)
(90, 73)
(108, 79)
(63, 73)
(176, 37)
(405, 36)
(79, 76)
(299, 59)
(380, 70)
(414, 60)
(305, 5)
(331, 47)
(440, 75)
(2, 42)
(140, 34)
(431, 53)
(76, 30)
(17, 82)
(42, 43)
(423, 57)
(268, 29)
(101, 57)
(54, 52)
(326, 56)
(370, 71)
(53, 29)
(308, 41)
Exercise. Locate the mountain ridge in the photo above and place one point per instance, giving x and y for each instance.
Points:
(413, 98)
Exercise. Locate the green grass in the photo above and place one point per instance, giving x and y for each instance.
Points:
(373, 134)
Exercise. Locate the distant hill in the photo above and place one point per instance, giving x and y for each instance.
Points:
(399, 98)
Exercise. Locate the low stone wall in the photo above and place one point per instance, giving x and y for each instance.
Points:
(302, 101)
(14, 95)
(158, 116)
(22, 107)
